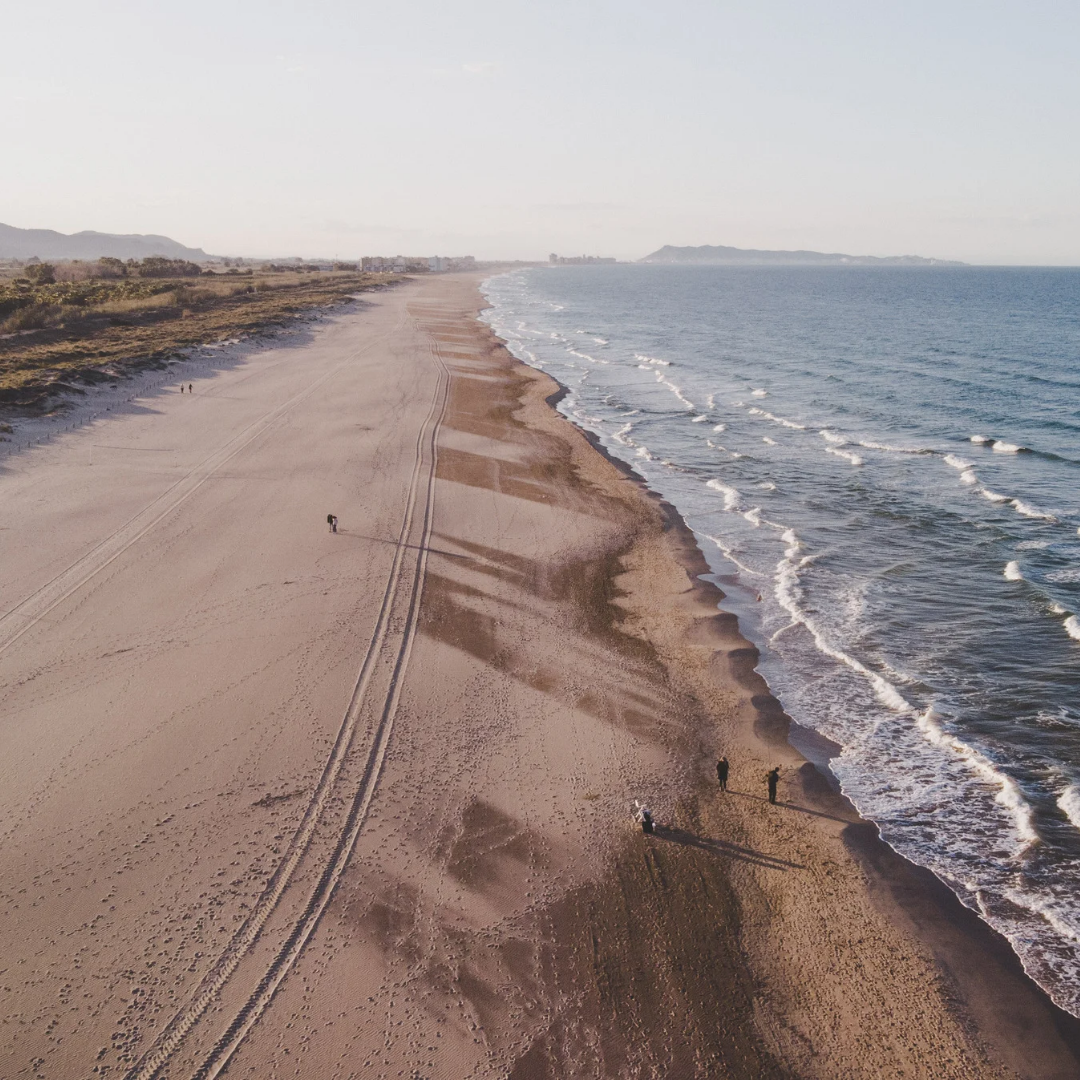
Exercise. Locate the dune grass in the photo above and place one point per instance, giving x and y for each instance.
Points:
(64, 332)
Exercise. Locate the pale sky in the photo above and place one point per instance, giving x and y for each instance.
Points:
(511, 129)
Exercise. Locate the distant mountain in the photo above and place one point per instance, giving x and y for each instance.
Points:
(47, 244)
(731, 256)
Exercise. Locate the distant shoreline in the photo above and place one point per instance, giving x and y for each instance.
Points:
(721, 255)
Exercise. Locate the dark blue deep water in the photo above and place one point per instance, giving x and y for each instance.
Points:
(890, 459)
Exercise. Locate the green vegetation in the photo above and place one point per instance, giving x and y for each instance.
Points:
(56, 331)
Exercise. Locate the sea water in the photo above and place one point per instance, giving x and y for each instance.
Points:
(882, 467)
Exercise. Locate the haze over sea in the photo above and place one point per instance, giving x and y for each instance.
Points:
(890, 459)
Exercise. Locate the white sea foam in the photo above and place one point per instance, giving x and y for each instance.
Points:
(768, 485)
(787, 594)
(1032, 545)
(754, 410)
(847, 455)
(700, 419)
(1067, 576)
(1031, 511)
(1069, 802)
(600, 340)
(586, 356)
(675, 389)
(980, 439)
(832, 437)
(731, 496)
(1002, 447)
(583, 416)
(1072, 627)
(767, 440)
(1012, 571)
(993, 496)
(1048, 908)
(1008, 794)
(652, 360)
(871, 445)
(1057, 609)
(729, 554)
(760, 393)
(753, 515)
(714, 445)
(723, 427)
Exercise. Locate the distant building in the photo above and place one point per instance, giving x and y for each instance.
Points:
(400, 264)
(577, 260)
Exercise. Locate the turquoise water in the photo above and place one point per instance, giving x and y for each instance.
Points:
(890, 460)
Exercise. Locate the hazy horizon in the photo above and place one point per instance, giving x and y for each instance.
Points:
(510, 131)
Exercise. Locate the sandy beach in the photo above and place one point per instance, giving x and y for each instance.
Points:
(284, 802)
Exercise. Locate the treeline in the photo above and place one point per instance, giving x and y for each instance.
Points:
(153, 266)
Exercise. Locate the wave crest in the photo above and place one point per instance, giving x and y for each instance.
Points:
(731, 496)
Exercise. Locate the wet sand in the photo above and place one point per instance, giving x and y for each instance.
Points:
(288, 803)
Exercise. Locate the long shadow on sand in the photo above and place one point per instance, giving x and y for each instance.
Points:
(414, 547)
(725, 848)
(795, 806)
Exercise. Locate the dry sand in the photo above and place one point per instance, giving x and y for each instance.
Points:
(298, 804)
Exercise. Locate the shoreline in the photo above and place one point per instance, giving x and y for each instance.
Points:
(1012, 1014)
(447, 729)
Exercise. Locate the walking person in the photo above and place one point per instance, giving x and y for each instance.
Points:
(772, 777)
(722, 767)
(190, 388)
(331, 520)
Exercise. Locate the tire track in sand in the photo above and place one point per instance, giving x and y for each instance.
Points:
(172, 1036)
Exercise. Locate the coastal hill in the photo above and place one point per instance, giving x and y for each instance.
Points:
(48, 244)
(718, 255)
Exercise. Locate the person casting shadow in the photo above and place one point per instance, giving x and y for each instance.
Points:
(772, 777)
